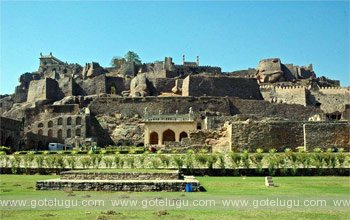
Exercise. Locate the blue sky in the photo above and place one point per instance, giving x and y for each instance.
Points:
(230, 34)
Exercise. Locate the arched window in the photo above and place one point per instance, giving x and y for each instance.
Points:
(40, 132)
(59, 134)
(50, 124)
(40, 125)
(59, 121)
(49, 133)
(199, 126)
(168, 136)
(153, 138)
(183, 135)
(69, 121)
(78, 121)
(69, 133)
(78, 132)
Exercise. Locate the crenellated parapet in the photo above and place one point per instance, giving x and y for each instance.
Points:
(334, 90)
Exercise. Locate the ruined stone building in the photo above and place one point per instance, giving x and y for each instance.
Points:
(171, 105)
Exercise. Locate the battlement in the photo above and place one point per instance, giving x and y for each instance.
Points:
(334, 90)
(282, 87)
(290, 87)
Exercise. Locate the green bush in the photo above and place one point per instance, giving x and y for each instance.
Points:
(85, 162)
(330, 159)
(130, 160)
(96, 160)
(155, 162)
(235, 159)
(108, 162)
(211, 160)
(272, 162)
(118, 161)
(72, 161)
(7, 150)
(60, 162)
(189, 161)
(257, 160)
(201, 159)
(165, 159)
(178, 161)
(28, 160)
(4, 160)
(245, 159)
(341, 157)
(142, 159)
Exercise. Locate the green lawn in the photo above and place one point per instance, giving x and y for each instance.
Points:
(252, 189)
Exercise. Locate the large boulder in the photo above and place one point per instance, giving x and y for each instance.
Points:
(138, 86)
(269, 70)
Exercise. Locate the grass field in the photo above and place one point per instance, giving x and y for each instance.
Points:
(219, 190)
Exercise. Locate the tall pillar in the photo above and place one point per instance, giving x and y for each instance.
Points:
(177, 136)
(160, 138)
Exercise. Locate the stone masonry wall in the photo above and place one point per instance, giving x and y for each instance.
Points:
(44, 89)
(266, 135)
(331, 99)
(203, 85)
(326, 135)
(167, 105)
(290, 95)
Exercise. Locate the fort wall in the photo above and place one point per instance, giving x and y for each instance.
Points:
(44, 89)
(165, 105)
(284, 94)
(327, 135)
(266, 135)
(204, 85)
(330, 99)
(251, 135)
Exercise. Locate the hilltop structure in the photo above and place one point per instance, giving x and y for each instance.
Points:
(186, 106)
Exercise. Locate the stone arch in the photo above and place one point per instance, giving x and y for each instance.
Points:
(168, 136)
(69, 133)
(59, 121)
(69, 121)
(183, 135)
(40, 132)
(153, 138)
(78, 132)
(49, 133)
(59, 134)
(40, 125)
(78, 121)
(50, 124)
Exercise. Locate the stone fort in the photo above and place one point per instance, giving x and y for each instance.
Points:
(182, 106)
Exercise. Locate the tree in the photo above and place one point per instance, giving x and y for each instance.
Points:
(131, 56)
(117, 61)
